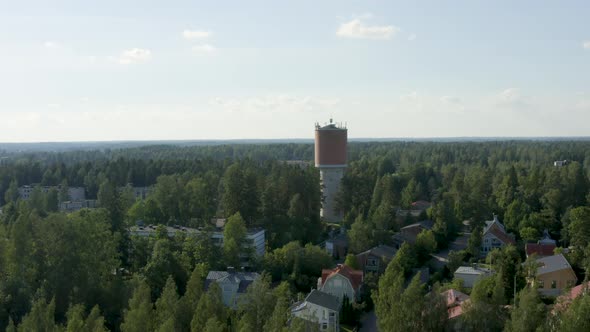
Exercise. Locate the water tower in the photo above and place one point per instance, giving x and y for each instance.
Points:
(330, 157)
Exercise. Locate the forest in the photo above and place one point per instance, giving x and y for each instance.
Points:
(83, 271)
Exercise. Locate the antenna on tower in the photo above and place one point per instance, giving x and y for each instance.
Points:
(331, 120)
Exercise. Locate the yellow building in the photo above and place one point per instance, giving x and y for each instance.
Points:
(554, 275)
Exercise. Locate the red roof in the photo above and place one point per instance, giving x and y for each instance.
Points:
(454, 297)
(566, 299)
(354, 276)
(454, 300)
(578, 290)
(455, 311)
(539, 249)
(501, 235)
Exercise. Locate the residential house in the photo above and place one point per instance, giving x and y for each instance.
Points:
(319, 308)
(455, 301)
(74, 193)
(494, 236)
(255, 237)
(471, 274)
(410, 232)
(564, 301)
(341, 281)
(70, 206)
(375, 260)
(415, 211)
(233, 284)
(542, 248)
(554, 274)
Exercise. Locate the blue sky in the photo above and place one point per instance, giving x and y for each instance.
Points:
(110, 70)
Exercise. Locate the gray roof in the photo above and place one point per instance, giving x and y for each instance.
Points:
(489, 224)
(427, 224)
(382, 251)
(552, 263)
(244, 279)
(323, 300)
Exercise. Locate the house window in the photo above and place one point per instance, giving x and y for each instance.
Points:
(332, 314)
(372, 262)
(541, 284)
(337, 283)
(553, 284)
(324, 326)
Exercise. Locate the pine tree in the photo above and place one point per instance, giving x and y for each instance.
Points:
(234, 235)
(529, 314)
(189, 302)
(214, 325)
(95, 321)
(75, 317)
(210, 305)
(40, 318)
(140, 315)
(278, 320)
(167, 304)
(257, 304)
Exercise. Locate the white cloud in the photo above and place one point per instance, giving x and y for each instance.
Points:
(204, 49)
(412, 37)
(409, 96)
(50, 44)
(357, 29)
(511, 95)
(586, 44)
(274, 103)
(196, 34)
(450, 99)
(513, 98)
(134, 55)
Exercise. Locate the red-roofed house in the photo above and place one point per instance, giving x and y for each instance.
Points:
(341, 281)
(542, 248)
(494, 236)
(455, 300)
(564, 301)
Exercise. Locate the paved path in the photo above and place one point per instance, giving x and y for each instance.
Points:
(369, 322)
(441, 258)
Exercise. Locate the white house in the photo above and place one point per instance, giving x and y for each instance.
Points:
(470, 274)
(74, 193)
(255, 237)
(341, 281)
(494, 236)
(233, 284)
(319, 308)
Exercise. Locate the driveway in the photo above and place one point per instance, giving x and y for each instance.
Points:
(369, 322)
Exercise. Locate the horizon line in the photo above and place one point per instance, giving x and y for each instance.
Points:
(376, 139)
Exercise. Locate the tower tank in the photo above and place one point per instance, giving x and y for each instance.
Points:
(331, 157)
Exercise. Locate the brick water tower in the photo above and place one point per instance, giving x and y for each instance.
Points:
(330, 157)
